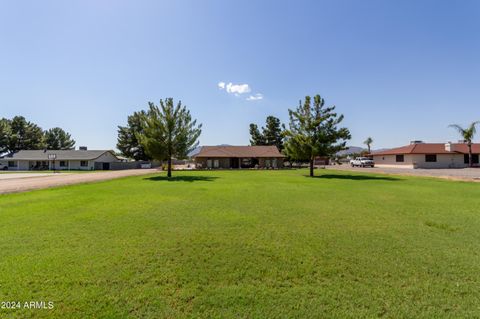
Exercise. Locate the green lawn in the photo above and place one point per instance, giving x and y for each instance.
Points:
(244, 244)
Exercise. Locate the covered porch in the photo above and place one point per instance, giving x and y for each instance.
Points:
(237, 162)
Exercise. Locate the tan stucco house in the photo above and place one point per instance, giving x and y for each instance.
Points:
(427, 155)
(60, 160)
(239, 157)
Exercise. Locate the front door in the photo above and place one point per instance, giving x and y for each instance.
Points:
(105, 166)
(234, 162)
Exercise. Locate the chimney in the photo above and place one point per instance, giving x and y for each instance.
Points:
(449, 147)
(82, 148)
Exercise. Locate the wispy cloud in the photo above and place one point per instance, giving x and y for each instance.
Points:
(255, 97)
(238, 89)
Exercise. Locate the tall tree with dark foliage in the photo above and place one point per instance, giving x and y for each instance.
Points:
(57, 139)
(21, 134)
(271, 134)
(256, 138)
(128, 142)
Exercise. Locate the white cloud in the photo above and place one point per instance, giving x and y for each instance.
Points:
(236, 89)
(255, 97)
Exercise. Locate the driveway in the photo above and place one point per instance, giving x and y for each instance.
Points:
(5, 176)
(463, 174)
(20, 182)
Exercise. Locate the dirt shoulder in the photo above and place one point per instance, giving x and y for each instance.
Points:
(23, 184)
(457, 174)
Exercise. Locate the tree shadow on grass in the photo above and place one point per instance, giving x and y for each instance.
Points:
(182, 178)
(358, 177)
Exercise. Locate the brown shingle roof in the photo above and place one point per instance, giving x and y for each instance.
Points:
(239, 151)
(430, 148)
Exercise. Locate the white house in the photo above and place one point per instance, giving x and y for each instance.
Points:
(82, 159)
(427, 155)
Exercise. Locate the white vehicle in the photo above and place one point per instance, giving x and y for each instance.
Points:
(3, 167)
(362, 162)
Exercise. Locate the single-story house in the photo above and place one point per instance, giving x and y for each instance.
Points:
(321, 160)
(60, 160)
(238, 157)
(427, 155)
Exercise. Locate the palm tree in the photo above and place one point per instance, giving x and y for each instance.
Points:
(467, 135)
(368, 142)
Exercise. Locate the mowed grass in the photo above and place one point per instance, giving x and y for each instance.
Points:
(244, 244)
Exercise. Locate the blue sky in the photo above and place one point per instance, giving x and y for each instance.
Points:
(398, 70)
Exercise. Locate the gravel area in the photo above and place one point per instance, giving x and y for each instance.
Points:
(464, 174)
(5, 176)
(24, 181)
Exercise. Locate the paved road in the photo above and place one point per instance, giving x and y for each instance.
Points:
(465, 174)
(46, 180)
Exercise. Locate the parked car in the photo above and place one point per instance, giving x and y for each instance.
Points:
(3, 167)
(362, 162)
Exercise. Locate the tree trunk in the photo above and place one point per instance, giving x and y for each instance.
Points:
(470, 159)
(311, 167)
(169, 169)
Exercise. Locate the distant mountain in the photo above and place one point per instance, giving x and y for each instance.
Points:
(379, 150)
(195, 151)
(351, 150)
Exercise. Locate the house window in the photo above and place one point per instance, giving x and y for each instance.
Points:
(400, 158)
(430, 158)
(83, 163)
(474, 159)
(63, 164)
(12, 164)
(246, 162)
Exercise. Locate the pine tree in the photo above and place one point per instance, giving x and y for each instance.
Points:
(169, 131)
(127, 141)
(5, 135)
(24, 135)
(256, 138)
(273, 133)
(57, 139)
(314, 131)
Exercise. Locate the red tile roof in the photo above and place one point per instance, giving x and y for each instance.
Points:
(239, 151)
(430, 148)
